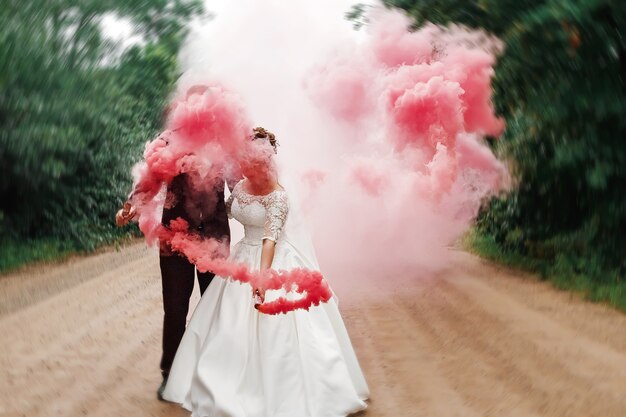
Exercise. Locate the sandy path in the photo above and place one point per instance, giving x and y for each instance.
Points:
(83, 339)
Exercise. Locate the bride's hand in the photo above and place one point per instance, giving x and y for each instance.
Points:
(259, 297)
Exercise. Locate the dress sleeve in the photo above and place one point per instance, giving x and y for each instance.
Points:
(276, 210)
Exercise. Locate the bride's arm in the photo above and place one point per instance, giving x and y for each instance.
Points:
(267, 254)
(277, 212)
(276, 216)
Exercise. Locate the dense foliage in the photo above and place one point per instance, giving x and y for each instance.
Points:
(560, 84)
(74, 112)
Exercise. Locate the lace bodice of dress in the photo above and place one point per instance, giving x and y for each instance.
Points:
(262, 216)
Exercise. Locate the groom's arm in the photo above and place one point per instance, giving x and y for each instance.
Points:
(144, 189)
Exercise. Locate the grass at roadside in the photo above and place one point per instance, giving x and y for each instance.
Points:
(563, 272)
(16, 253)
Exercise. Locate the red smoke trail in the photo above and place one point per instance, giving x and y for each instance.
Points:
(208, 255)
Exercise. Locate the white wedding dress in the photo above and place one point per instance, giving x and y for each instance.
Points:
(236, 362)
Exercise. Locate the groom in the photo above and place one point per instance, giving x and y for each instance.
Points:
(204, 210)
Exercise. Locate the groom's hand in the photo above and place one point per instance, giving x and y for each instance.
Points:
(125, 215)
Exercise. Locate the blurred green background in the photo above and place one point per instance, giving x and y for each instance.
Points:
(75, 110)
(74, 115)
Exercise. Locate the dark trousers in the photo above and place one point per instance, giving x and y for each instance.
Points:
(177, 276)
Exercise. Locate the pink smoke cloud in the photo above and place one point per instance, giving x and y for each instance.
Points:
(416, 178)
(343, 86)
(215, 116)
(393, 45)
(426, 114)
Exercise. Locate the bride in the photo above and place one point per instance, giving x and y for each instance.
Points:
(234, 361)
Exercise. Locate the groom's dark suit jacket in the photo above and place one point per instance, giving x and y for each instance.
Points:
(201, 205)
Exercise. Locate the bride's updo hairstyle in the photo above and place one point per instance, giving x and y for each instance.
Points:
(261, 133)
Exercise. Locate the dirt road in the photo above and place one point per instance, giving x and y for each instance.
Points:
(83, 339)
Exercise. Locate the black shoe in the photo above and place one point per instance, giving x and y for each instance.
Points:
(161, 390)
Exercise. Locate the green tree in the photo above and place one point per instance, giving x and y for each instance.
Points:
(72, 118)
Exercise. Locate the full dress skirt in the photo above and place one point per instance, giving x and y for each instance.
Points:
(236, 362)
